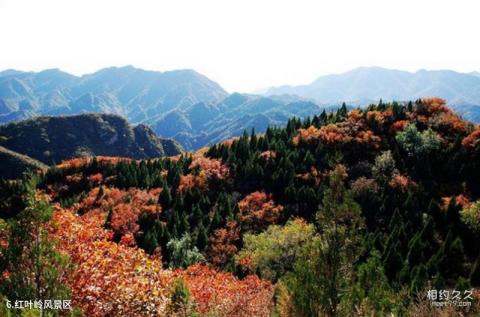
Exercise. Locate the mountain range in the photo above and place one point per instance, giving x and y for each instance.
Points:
(134, 93)
(196, 111)
(369, 84)
(207, 123)
(42, 141)
(178, 104)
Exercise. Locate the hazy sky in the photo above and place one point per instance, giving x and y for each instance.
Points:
(243, 45)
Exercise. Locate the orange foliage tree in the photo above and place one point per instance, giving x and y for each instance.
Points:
(109, 279)
(473, 139)
(448, 123)
(380, 116)
(314, 176)
(223, 244)
(338, 134)
(81, 161)
(222, 294)
(258, 211)
(329, 134)
(431, 105)
(401, 182)
(399, 125)
(123, 208)
(204, 170)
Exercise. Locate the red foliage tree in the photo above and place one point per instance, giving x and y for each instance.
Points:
(448, 123)
(224, 243)
(258, 211)
(96, 178)
(399, 125)
(109, 279)
(205, 170)
(473, 139)
(81, 161)
(225, 295)
(401, 182)
(122, 207)
(431, 105)
(268, 155)
(339, 134)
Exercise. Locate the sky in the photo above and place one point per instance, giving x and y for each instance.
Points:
(243, 45)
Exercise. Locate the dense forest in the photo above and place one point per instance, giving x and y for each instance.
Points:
(353, 213)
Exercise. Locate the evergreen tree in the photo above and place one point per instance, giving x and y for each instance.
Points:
(183, 252)
(322, 274)
(35, 267)
(165, 198)
(202, 239)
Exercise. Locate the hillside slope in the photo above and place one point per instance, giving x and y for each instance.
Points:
(356, 211)
(13, 164)
(389, 192)
(53, 139)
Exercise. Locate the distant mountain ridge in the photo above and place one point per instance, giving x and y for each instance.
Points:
(134, 93)
(49, 140)
(367, 84)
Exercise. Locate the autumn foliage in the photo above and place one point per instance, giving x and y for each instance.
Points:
(301, 206)
(112, 279)
(400, 182)
(268, 155)
(338, 134)
(109, 279)
(224, 243)
(204, 170)
(329, 134)
(473, 139)
(225, 295)
(431, 105)
(258, 210)
(82, 161)
(123, 209)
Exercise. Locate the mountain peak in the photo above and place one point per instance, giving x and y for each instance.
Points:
(9, 72)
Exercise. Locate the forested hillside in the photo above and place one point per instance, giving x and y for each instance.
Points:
(353, 213)
(53, 139)
(14, 164)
